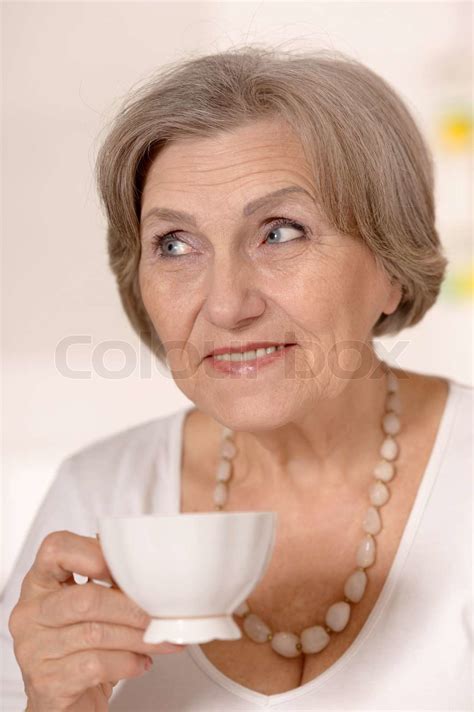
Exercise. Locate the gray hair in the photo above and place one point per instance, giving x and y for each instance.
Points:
(373, 172)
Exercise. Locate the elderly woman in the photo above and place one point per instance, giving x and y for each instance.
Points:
(269, 214)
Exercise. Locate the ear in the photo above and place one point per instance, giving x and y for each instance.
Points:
(394, 296)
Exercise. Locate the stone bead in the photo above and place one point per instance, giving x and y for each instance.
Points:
(366, 552)
(389, 449)
(371, 523)
(220, 493)
(285, 644)
(314, 639)
(224, 470)
(394, 403)
(242, 610)
(384, 470)
(391, 423)
(226, 432)
(355, 585)
(392, 382)
(337, 616)
(379, 493)
(228, 449)
(256, 629)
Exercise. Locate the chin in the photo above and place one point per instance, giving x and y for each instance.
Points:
(254, 415)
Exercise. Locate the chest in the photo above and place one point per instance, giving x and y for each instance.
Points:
(305, 576)
(314, 553)
(258, 667)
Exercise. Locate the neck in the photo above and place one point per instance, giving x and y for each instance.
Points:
(333, 445)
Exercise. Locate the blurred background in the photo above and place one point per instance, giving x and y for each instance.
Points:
(65, 69)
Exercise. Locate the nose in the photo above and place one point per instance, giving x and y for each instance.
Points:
(233, 297)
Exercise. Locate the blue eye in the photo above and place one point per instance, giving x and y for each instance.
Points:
(282, 222)
(162, 244)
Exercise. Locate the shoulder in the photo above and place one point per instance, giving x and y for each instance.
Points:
(136, 440)
(124, 460)
(461, 415)
(455, 401)
(428, 392)
(441, 405)
(464, 395)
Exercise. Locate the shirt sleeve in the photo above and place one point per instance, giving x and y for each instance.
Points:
(64, 507)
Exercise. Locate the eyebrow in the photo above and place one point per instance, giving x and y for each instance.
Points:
(169, 214)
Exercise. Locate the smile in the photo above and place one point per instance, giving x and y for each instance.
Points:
(249, 361)
(248, 355)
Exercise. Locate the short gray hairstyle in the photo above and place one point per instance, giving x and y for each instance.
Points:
(373, 172)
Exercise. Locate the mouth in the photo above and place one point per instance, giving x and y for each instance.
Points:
(240, 362)
(247, 352)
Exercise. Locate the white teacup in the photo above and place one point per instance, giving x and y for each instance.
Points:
(189, 571)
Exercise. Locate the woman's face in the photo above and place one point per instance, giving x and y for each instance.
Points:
(246, 268)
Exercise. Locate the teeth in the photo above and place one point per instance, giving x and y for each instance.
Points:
(248, 355)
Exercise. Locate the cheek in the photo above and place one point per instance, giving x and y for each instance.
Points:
(333, 303)
(171, 313)
(347, 290)
(159, 305)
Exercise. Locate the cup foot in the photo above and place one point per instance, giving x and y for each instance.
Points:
(189, 631)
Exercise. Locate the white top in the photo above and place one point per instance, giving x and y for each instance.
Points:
(414, 652)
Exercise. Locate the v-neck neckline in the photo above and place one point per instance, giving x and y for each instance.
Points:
(406, 541)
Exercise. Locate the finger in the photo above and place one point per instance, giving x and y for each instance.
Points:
(107, 688)
(89, 602)
(72, 581)
(61, 554)
(72, 675)
(51, 643)
(114, 583)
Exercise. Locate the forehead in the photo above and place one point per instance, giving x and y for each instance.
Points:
(262, 150)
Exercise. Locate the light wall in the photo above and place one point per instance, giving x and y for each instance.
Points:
(65, 68)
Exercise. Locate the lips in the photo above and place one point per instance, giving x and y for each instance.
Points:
(252, 346)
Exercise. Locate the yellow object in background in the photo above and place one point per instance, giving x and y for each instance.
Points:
(459, 283)
(455, 129)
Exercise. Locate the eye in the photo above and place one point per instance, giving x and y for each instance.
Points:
(280, 223)
(162, 245)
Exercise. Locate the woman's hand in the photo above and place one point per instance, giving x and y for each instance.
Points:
(74, 642)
